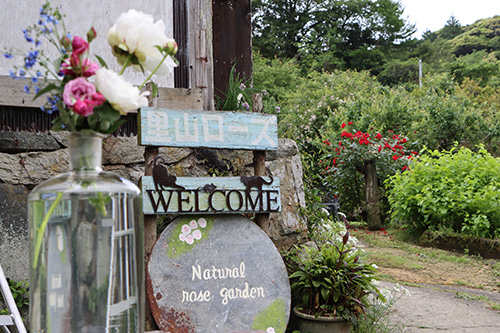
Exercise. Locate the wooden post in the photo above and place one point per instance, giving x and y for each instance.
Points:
(259, 164)
(150, 221)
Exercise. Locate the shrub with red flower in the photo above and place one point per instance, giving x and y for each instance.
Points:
(359, 164)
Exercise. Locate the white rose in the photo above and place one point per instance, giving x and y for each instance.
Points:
(122, 95)
(135, 32)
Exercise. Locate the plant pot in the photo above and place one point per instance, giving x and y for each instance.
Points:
(86, 247)
(307, 323)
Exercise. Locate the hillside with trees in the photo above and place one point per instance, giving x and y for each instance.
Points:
(337, 70)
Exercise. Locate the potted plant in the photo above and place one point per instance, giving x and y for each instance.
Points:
(330, 286)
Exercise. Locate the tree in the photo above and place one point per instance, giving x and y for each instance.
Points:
(339, 32)
(279, 26)
(451, 29)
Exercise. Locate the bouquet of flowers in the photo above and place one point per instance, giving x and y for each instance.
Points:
(88, 95)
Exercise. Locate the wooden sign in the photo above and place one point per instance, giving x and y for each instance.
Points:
(209, 195)
(209, 129)
(217, 274)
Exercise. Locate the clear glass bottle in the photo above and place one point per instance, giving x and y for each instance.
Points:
(86, 247)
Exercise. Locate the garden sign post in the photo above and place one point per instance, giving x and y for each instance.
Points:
(213, 269)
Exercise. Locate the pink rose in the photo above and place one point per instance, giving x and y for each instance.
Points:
(83, 109)
(79, 45)
(77, 89)
(89, 68)
(74, 67)
(81, 96)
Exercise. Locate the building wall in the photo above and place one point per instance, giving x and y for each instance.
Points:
(81, 15)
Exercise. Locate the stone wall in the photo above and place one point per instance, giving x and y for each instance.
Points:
(28, 158)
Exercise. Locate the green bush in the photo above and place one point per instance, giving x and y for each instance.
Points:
(312, 108)
(454, 190)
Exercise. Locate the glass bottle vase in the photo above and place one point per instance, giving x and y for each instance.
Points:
(86, 247)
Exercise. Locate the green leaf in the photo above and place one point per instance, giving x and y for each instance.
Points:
(154, 89)
(49, 87)
(101, 61)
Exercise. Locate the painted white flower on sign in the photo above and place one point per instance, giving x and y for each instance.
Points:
(197, 234)
(189, 239)
(190, 233)
(193, 224)
(186, 229)
(202, 222)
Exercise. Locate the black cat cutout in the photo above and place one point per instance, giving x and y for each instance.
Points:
(209, 188)
(162, 178)
(254, 181)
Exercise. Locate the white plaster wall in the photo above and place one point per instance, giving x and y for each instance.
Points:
(16, 15)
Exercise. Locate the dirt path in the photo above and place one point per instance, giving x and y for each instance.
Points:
(433, 308)
(448, 291)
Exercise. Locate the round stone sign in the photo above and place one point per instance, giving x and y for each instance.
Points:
(217, 274)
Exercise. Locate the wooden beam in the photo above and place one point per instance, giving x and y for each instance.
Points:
(12, 93)
(232, 41)
(259, 165)
(200, 49)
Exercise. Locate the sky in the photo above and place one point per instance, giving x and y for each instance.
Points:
(433, 14)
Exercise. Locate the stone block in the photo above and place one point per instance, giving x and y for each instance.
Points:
(21, 142)
(14, 249)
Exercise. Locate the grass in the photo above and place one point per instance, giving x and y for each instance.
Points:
(495, 306)
(395, 252)
(472, 297)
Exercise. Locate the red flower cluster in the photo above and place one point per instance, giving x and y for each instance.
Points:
(394, 143)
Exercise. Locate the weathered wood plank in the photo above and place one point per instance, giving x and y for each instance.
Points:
(209, 195)
(231, 22)
(12, 93)
(259, 164)
(200, 49)
(180, 98)
(208, 129)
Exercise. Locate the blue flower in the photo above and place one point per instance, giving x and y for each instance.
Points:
(27, 36)
(38, 43)
(22, 73)
(51, 105)
(12, 74)
(37, 89)
(38, 73)
(52, 19)
(27, 89)
(34, 79)
(30, 59)
(8, 55)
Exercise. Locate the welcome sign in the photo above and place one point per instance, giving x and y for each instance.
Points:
(209, 195)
